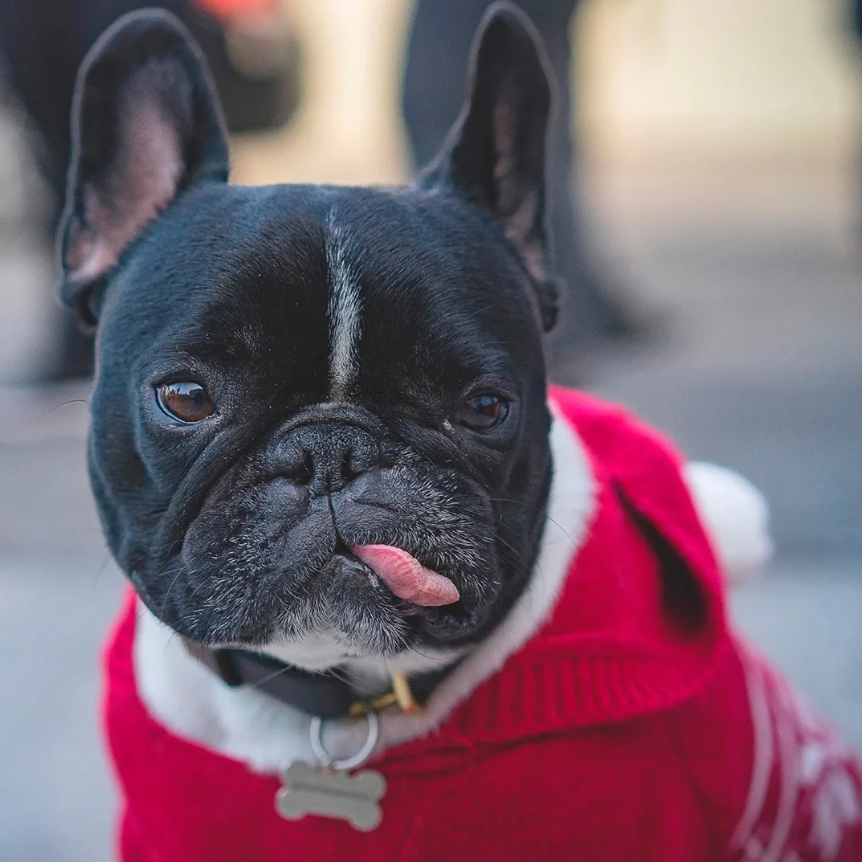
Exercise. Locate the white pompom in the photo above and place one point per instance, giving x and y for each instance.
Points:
(735, 516)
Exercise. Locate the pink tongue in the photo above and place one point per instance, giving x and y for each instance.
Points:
(406, 576)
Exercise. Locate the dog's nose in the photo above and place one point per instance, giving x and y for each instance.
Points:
(327, 456)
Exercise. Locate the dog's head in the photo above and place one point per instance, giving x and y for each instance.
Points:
(316, 408)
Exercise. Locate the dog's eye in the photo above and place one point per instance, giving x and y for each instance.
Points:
(482, 412)
(185, 401)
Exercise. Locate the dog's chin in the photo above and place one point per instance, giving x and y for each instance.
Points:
(353, 614)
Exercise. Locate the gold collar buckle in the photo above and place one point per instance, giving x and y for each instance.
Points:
(400, 694)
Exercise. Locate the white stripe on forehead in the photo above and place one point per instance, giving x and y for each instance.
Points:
(345, 310)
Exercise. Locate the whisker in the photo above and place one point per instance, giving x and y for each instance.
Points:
(56, 407)
(183, 569)
(101, 571)
(548, 518)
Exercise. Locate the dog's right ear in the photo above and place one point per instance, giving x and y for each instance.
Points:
(146, 125)
(495, 152)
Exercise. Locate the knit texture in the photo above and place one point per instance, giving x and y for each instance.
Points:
(633, 726)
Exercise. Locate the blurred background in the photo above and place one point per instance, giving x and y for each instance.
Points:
(711, 241)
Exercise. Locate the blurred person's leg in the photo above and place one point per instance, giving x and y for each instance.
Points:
(433, 90)
(42, 44)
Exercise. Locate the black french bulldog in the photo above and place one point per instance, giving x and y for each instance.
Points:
(322, 453)
(289, 374)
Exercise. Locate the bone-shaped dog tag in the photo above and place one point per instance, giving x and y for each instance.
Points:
(327, 793)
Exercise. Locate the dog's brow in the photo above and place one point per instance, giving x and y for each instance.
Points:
(345, 308)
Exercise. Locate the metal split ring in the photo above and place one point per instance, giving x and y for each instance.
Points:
(346, 763)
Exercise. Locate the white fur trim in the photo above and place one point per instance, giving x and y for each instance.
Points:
(736, 517)
(268, 735)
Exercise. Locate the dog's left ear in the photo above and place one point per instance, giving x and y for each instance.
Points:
(146, 125)
(495, 153)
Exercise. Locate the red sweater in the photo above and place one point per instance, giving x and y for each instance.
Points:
(631, 727)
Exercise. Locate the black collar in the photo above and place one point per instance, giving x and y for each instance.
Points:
(319, 694)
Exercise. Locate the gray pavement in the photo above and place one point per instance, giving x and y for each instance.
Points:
(755, 364)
